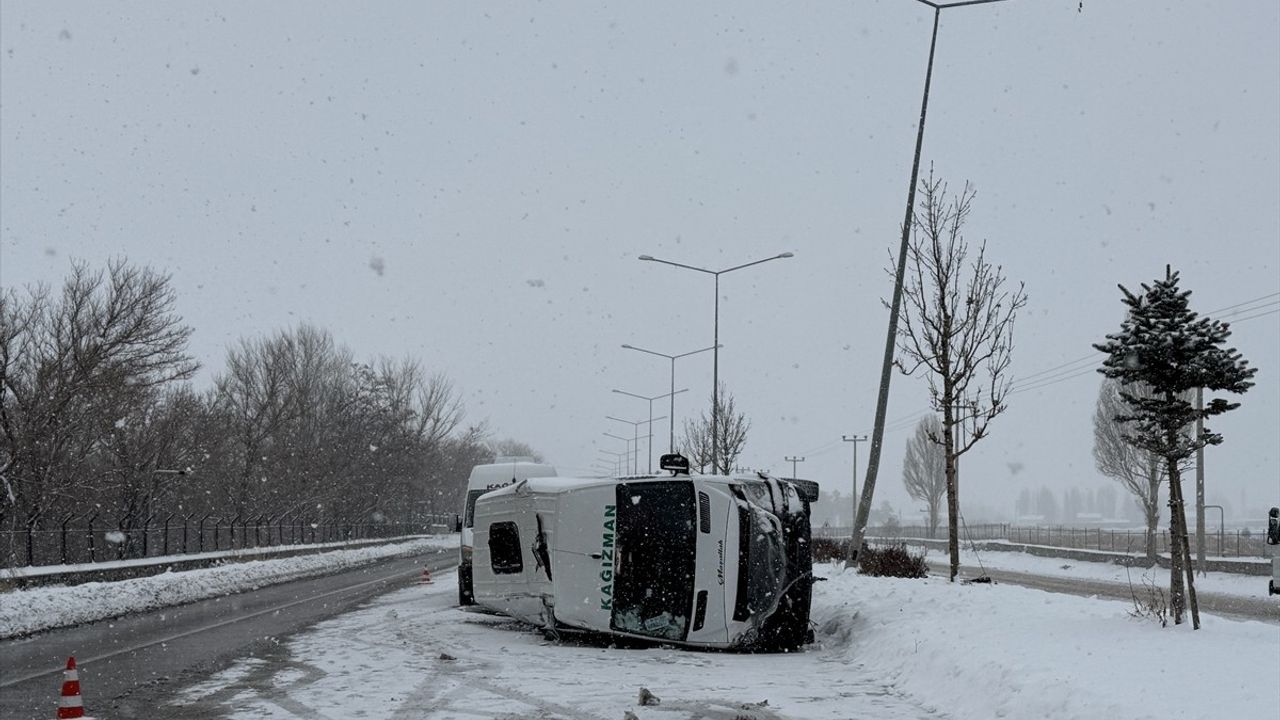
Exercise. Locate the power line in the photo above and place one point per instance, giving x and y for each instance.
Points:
(1026, 378)
(1061, 371)
(1047, 383)
(1072, 368)
(1246, 302)
(1251, 317)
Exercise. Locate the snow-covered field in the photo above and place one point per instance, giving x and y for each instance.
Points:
(41, 608)
(886, 649)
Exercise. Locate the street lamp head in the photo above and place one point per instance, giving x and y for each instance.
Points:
(787, 255)
(627, 347)
(646, 257)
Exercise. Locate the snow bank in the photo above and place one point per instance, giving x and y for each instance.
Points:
(237, 554)
(976, 651)
(27, 611)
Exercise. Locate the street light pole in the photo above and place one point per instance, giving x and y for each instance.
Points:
(649, 443)
(715, 363)
(673, 359)
(628, 442)
(793, 460)
(855, 439)
(635, 429)
(617, 469)
(886, 369)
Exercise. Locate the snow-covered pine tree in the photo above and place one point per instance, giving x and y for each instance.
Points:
(1168, 347)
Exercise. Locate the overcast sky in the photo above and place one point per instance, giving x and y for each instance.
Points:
(471, 185)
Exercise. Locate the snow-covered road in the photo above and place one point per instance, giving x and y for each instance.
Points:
(886, 649)
(413, 654)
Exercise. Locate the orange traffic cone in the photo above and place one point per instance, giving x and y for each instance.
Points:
(69, 706)
(426, 577)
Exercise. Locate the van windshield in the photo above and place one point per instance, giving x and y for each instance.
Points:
(653, 584)
(762, 567)
(469, 519)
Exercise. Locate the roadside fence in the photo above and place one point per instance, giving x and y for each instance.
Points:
(1241, 543)
(90, 538)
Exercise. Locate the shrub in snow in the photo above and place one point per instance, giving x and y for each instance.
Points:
(891, 561)
(829, 549)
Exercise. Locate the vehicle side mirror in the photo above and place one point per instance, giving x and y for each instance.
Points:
(457, 523)
(1273, 526)
(674, 462)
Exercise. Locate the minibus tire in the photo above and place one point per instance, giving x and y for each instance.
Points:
(466, 591)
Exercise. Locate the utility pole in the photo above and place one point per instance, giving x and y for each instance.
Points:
(855, 439)
(1200, 478)
(793, 460)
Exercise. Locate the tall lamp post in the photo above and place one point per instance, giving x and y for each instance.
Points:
(673, 359)
(628, 442)
(617, 460)
(886, 369)
(635, 429)
(649, 443)
(715, 371)
(855, 439)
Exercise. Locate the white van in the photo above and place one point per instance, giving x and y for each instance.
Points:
(483, 479)
(702, 560)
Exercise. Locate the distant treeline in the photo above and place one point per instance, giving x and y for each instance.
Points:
(97, 413)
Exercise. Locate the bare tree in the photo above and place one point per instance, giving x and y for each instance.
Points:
(733, 428)
(1139, 471)
(511, 448)
(71, 364)
(924, 468)
(253, 394)
(958, 328)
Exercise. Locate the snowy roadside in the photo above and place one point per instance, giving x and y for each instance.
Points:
(889, 649)
(241, 554)
(23, 612)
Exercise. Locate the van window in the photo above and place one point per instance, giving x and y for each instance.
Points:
(504, 549)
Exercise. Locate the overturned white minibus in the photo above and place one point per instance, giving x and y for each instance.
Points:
(698, 560)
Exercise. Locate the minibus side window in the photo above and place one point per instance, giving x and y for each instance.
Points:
(504, 548)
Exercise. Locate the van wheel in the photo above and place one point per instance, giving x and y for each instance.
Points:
(466, 592)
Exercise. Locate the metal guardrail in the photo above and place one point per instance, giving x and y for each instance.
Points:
(89, 538)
